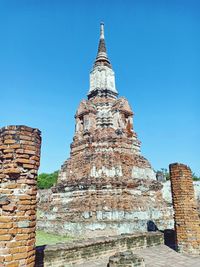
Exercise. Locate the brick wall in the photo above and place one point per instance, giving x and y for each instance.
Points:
(187, 222)
(81, 251)
(19, 162)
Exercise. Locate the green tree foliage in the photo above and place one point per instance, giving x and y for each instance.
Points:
(47, 180)
(195, 177)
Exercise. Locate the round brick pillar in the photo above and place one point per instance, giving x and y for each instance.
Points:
(19, 163)
(187, 222)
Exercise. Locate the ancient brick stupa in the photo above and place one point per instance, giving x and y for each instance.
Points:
(105, 147)
(106, 186)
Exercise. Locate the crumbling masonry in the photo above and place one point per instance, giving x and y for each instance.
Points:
(19, 162)
(126, 259)
(106, 186)
(187, 221)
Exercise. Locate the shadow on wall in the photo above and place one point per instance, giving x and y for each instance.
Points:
(170, 238)
(169, 234)
(39, 260)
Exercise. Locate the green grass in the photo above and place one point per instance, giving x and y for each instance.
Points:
(43, 238)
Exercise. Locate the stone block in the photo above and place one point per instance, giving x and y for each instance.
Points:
(126, 259)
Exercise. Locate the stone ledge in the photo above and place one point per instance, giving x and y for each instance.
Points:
(93, 248)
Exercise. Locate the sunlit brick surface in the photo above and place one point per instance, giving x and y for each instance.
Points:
(19, 162)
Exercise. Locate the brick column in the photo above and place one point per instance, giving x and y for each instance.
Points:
(187, 222)
(19, 162)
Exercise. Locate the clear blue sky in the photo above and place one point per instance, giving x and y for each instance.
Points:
(47, 49)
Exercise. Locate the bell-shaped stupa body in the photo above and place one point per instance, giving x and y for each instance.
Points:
(106, 186)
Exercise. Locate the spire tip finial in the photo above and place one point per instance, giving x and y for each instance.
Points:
(102, 58)
(102, 30)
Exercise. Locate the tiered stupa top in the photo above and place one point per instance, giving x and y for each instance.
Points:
(102, 77)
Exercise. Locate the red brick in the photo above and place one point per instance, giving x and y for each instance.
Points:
(185, 209)
(20, 143)
(5, 237)
(6, 225)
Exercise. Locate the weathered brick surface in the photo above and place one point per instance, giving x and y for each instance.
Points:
(187, 221)
(99, 212)
(106, 186)
(105, 144)
(19, 162)
(82, 251)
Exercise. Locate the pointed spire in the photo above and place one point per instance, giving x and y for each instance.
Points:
(102, 58)
(102, 77)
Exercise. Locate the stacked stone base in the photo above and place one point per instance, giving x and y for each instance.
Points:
(106, 211)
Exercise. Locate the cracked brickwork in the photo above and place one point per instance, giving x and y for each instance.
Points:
(187, 221)
(19, 162)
